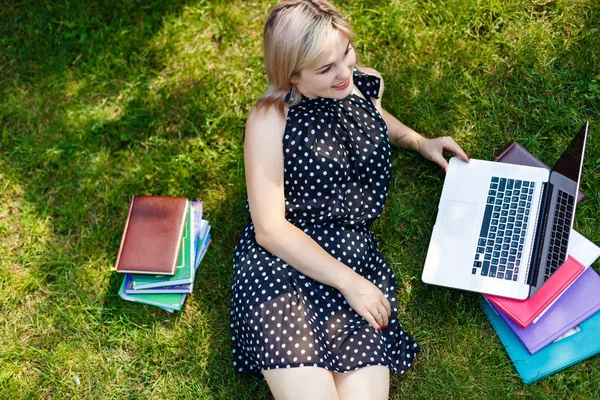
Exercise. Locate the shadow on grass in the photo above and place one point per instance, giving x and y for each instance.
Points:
(79, 176)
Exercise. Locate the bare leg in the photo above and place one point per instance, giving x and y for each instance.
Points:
(371, 383)
(301, 383)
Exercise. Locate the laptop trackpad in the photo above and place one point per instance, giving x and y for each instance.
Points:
(457, 222)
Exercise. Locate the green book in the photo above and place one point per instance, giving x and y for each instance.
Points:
(184, 272)
(166, 301)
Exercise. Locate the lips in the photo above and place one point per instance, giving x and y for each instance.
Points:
(343, 85)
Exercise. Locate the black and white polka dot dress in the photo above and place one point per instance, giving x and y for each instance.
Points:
(337, 173)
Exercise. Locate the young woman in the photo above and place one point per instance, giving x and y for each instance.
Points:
(314, 303)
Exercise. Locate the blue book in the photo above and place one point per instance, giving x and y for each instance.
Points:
(197, 209)
(580, 343)
(203, 247)
(185, 288)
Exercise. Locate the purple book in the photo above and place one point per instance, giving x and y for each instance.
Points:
(576, 304)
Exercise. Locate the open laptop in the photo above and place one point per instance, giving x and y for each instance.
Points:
(503, 229)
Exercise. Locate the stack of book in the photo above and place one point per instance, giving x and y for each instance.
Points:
(558, 325)
(164, 241)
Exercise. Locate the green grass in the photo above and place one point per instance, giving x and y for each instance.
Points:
(101, 100)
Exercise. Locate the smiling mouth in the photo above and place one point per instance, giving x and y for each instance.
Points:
(342, 85)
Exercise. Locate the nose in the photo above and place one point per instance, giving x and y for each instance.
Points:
(344, 72)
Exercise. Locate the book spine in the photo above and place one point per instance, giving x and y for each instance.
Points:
(506, 150)
(177, 289)
(124, 234)
(499, 305)
(185, 215)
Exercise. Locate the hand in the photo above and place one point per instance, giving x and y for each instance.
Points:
(433, 149)
(368, 301)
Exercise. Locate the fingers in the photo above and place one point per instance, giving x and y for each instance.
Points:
(451, 146)
(370, 303)
(381, 315)
(448, 144)
(387, 310)
(441, 161)
(380, 320)
(372, 321)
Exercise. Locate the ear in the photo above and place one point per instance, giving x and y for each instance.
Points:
(295, 79)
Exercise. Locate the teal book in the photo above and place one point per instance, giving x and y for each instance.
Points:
(184, 272)
(168, 301)
(572, 347)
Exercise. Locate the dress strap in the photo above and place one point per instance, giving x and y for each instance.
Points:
(368, 84)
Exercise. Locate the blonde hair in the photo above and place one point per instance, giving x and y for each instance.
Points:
(297, 33)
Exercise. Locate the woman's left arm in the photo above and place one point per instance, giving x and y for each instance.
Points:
(403, 136)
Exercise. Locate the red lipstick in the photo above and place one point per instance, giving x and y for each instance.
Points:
(344, 85)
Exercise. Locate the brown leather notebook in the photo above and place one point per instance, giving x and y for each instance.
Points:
(152, 235)
(514, 153)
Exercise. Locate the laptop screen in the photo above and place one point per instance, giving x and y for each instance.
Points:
(570, 162)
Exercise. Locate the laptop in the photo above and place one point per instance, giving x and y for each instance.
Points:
(503, 229)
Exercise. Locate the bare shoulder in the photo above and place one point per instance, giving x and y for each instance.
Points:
(265, 122)
(263, 137)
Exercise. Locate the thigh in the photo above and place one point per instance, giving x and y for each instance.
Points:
(364, 383)
(301, 383)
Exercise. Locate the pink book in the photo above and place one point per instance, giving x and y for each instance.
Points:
(524, 312)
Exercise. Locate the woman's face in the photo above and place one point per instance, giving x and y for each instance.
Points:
(331, 77)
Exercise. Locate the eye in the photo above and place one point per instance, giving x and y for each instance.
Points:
(348, 50)
(325, 70)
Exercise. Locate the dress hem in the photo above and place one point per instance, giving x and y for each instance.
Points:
(354, 367)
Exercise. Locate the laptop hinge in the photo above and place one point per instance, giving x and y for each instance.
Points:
(540, 233)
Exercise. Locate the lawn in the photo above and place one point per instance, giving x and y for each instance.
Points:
(100, 100)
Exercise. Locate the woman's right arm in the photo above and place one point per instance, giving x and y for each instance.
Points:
(264, 165)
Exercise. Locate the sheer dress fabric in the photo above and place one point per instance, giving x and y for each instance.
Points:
(336, 177)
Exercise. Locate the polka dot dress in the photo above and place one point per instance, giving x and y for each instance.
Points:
(337, 173)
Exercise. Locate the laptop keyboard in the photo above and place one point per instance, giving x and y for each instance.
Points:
(500, 246)
(557, 252)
